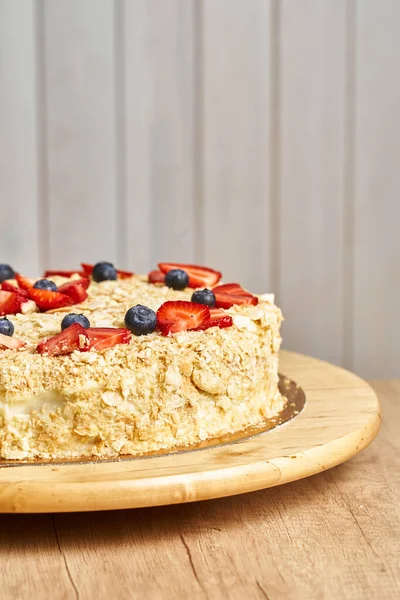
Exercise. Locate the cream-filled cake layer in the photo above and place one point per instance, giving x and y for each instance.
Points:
(153, 394)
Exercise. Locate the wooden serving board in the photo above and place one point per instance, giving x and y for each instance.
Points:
(340, 418)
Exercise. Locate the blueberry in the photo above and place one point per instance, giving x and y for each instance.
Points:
(6, 272)
(177, 279)
(104, 271)
(141, 320)
(74, 318)
(45, 284)
(6, 327)
(204, 297)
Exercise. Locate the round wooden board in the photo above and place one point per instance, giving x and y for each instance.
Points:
(340, 418)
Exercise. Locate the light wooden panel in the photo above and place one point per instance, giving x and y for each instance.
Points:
(311, 117)
(377, 186)
(159, 80)
(235, 129)
(19, 198)
(80, 131)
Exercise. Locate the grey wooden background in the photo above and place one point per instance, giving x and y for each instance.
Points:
(261, 137)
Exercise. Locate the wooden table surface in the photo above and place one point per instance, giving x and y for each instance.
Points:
(335, 535)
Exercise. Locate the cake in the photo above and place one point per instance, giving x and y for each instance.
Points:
(201, 369)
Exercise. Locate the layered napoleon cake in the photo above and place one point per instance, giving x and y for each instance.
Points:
(103, 363)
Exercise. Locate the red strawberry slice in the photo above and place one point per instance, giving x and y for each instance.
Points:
(101, 338)
(47, 300)
(11, 302)
(232, 293)
(198, 276)
(156, 277)
(227, 300)
(87, 269)
(74, 290)
(61, 273)
(121, 274)
(9, 287)
(234, 288)
(9, 342)
(124, 274)
(179, 315)
(25, 283)
(219, 318)
(72, 338)
(84, 282)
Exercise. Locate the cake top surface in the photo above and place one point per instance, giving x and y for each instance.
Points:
(100, 306)
(108, 302)
(25, 371)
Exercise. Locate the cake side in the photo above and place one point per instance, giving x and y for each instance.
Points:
(155, 393)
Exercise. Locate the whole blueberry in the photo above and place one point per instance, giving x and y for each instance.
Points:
(45, 284)
(104, 271)
(6, 327)
(204, 297)
(141, 320)
(6, 272)
(74, 318)
(177, 279)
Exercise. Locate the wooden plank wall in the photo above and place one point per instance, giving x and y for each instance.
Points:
(262, 137)
(376, 242)
(20, 168)
(310, 171)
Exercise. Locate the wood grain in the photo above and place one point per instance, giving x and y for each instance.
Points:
(341, 417)
(333, 535)
(19, 137)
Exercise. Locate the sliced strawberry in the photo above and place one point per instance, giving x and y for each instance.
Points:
(47, 300)
(11, 302)
(233, 288)
(232, 293)
(74, 290)
(25, 283)
(9, 342)
(61, 273)
(121, 274)
(179, 315)
(226, 300)
(84, 282)
(9, 287)
(156, 277)
(101, 338)
(219, 318)
(72, 338)
(198, 276)
(124, 274)
(87, 269)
